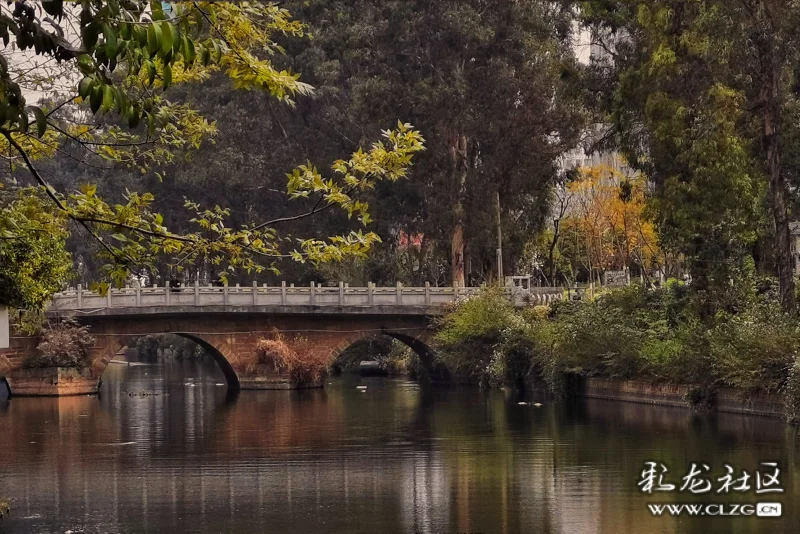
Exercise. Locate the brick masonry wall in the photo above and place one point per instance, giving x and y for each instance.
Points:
(232, 338)
(12, 357)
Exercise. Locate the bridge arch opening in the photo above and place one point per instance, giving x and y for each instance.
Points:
(389, 352)
(222, 362)
(148, 349)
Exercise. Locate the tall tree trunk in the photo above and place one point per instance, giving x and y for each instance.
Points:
(777, 189)
(498, 213)
(457, 255)
(459, 157)
(553, 244)
(770, 99)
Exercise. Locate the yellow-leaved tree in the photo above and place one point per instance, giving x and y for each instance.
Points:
(606, 227)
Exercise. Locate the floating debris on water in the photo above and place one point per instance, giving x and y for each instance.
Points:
(537, 404)
(522, 403)
(219, 384)
(361, 387)
(141, 393)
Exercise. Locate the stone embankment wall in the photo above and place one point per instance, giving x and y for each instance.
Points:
(723, 400)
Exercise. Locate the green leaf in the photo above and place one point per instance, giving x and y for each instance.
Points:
(86, 64)
(111, 41)
(153, 39)
(151, 72)
(119, 237)
(188, 51)
(167, 74)
(168, 38)
(41, 120)
(141, 36)
(96, 98)
(157, 9)
(108, 99)
(89, 34)
(176, 38)
(218, 51)
(85, 87)
(121, 100)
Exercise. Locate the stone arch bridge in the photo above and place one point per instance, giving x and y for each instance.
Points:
(229, 321)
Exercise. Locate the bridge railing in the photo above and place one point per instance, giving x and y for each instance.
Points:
(283, 295)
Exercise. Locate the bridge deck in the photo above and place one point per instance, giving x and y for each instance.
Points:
(281, 299)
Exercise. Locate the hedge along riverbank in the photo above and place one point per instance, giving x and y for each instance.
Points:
(672, 335)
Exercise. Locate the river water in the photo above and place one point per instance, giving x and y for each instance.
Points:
(395, 457)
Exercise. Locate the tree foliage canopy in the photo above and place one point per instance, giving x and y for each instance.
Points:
(702, 95)
(110, 66)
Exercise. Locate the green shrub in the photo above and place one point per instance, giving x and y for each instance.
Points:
(672, 334)
(597, 339)
(755, 349)
(469, 333)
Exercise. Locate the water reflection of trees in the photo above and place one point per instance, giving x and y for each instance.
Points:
(397, 458)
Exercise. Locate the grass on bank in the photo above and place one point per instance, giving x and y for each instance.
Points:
(276, 354)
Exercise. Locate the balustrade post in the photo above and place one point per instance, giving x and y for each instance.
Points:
(167, 293)
(225, 294)
(455, 290)
(370, 293)
(108, 297)
(283, 293)
(80, 297)
(196, 292)
(255, 293)
(341, 293)
(427, 293)
(313, 296)
(399, 294)
(138, 294)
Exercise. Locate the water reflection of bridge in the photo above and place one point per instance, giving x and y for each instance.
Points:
(402, 460)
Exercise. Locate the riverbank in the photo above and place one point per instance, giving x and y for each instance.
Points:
(726, 400)
(669, 346)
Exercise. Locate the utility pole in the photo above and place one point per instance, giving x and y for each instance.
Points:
(500, 278)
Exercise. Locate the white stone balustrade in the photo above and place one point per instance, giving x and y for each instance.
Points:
(283, 296)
